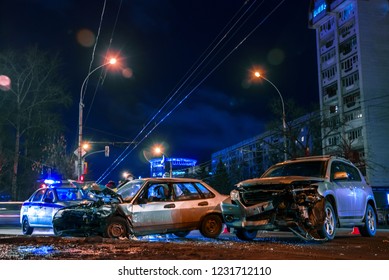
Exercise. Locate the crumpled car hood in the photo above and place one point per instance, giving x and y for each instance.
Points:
(282, 202)
(89, 216)
(277, 180)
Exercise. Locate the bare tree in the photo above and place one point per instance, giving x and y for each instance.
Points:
(27, 106)
(303, 130)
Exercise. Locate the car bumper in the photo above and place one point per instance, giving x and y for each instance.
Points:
(254, 217)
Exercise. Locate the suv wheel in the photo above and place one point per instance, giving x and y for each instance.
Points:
(26, 229)
(370, 227)
(247, 235)
(329, 227)
(211, 226)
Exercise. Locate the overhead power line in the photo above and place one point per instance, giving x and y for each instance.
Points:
(205, 59)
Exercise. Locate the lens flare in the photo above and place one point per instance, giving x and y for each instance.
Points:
(5, 83)
(85, 38)
(127, 73)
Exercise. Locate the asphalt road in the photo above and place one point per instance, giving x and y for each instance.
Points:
(44, 245)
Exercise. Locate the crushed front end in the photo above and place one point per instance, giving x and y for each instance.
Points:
(82, 220)
(293, 205)
(87, 218)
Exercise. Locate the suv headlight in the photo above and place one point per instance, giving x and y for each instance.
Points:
(234, 195)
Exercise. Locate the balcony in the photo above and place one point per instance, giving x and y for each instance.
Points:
(348, 48)
(328, 59)
(327, 45)
(350, 83)
(349, 65)
(351, 102)
(347, 31)
(330, 93)
(327, 28)
(346, 12)
(329, 75)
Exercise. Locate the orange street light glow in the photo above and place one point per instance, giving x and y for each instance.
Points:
(157, 150)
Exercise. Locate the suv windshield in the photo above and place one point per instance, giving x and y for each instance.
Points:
(302, 168)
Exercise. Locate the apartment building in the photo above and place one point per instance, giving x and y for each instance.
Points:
(352, 38)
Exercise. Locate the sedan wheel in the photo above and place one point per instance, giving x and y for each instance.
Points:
(26, 229)
(329, 227)
(116, 228)
(370, 227)
(211, 226)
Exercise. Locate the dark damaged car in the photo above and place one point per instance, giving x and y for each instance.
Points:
(310, 197)
(143, 207)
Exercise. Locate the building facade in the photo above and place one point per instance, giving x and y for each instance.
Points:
(177, 167)
(252, 157)
(352, 39)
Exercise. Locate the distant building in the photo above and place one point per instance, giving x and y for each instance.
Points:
(251, 157)
(161, 167)
(353, 66)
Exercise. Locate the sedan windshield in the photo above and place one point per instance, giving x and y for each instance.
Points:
(305, 169)
(66, 194)
(129, 190)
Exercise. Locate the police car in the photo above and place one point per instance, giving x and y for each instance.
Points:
(39, 209)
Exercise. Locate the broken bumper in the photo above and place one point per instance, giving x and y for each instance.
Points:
(239, 216)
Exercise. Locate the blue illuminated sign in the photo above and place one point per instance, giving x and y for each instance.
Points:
(322, 7)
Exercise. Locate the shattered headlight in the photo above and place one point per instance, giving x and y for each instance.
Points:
(234, 195)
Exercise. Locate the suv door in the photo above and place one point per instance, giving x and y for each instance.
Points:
(360, 194)
(344, 191)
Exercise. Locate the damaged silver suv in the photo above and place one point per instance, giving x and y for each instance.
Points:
(309, 196)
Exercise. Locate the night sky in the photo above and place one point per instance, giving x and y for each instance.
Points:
(170, 49)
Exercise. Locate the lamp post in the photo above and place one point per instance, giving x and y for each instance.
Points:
(80, 117)
(158, 150)
(258, 75)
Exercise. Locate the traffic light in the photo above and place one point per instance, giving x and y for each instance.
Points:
(85, 168)
(106, 151)
(82, 177)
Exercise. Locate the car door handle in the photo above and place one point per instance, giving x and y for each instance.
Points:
(171, 205)
(203, 203)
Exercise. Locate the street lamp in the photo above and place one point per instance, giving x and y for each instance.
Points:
(158, 151)
(80, 117)
(258, 75)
